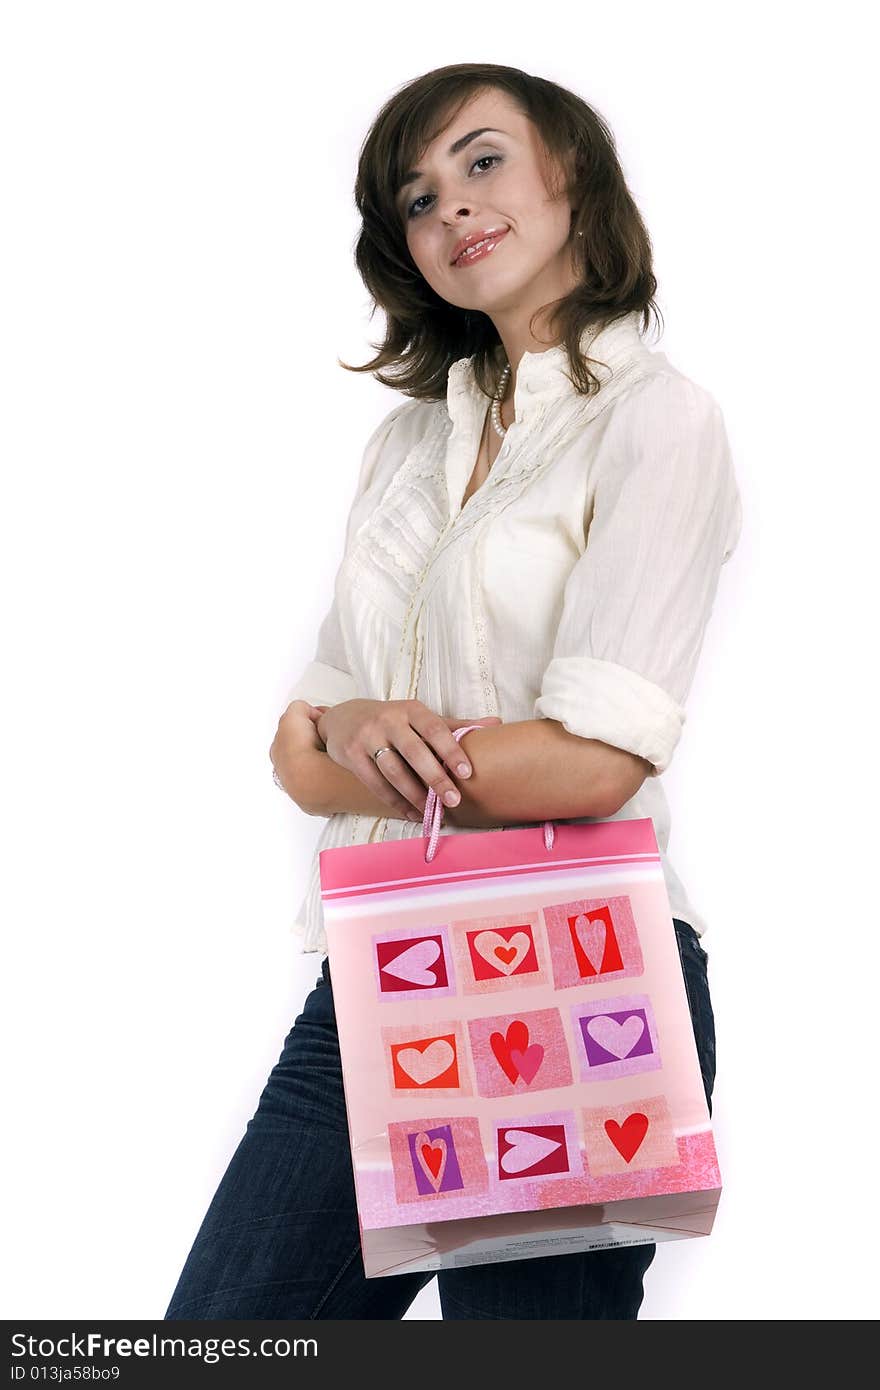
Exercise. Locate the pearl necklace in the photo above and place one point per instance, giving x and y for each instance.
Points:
(502, 387)
(496, 403)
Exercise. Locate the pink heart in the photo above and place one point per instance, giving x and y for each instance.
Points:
(527, 1062)
(423, 1066)
(526, 1149)
(591, 934)
(487, 943)
(617, 1038)
(413, 964)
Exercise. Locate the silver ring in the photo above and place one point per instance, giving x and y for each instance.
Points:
(379, 751)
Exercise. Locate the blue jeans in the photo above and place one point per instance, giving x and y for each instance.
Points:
(280, 1238)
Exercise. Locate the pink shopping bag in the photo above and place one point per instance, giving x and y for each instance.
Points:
(520, 1071)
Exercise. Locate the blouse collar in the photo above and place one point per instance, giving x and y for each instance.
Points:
(542, 376)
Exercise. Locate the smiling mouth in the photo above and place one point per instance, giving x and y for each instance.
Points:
(480, 248)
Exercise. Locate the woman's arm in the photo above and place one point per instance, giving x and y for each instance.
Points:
(536, 770)
(665, 517)
(320, 787)
(528, 771)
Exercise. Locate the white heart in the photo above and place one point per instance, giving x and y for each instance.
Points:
(591, 934)
(423, 1066)
(413, 964)
(487, 943)
(526, 1150)
(617, 1038)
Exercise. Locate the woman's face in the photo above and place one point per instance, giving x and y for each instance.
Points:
(494, 181)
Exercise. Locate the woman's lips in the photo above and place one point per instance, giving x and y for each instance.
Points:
(469, 257)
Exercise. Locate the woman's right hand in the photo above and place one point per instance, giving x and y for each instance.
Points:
(422, 750)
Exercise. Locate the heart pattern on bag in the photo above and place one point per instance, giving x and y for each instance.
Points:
(504, 954)
(526, 1149)
(592, 935)
(628, 1137)
(525, 1016)
(617, 1038)
(423, 1065)
(413, 964)
(513, 1053)
(527, 1062)
(432, 1155)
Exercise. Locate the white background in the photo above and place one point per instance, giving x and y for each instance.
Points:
(179, 452)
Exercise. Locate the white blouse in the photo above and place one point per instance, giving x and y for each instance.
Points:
(575, 584)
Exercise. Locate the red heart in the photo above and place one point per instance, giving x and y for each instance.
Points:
(432, 1155)
(516, 1039)
(518, 1035)
(627, 1138)
(499, 1046)
(505, 953)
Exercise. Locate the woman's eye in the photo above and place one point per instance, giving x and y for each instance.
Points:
(415, 211)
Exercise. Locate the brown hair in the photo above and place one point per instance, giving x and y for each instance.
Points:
(424, 333)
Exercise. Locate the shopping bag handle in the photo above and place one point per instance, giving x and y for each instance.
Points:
(434, 809)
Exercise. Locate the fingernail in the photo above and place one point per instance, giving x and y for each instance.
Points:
(451, 798)
(463, 770)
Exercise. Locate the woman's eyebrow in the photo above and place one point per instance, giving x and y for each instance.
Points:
(453, 149)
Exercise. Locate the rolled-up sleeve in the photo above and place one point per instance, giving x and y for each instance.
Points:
(327, 679)
(666, 515)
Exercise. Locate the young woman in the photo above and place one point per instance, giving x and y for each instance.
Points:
(535, 544)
